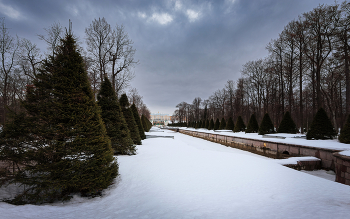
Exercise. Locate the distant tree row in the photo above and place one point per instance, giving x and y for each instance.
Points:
(307, 69)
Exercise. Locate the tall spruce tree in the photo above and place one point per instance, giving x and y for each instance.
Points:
(114, 120)
(287, 124)
(217, 124)
(321, 127)
(253, 126)
(230, 125)
(64, 146)
(266, 126)
(130, 120)
(222, 124)
(344, 136)
(240, 126)
(138, 121)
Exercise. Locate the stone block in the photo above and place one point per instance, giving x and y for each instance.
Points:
(345, 162)
(347, 176)
(323, 155)
(347, 182)
(272, 146)
(330, 156)
(293, 150)
(343, 168)
(339, 161)
(326, 164)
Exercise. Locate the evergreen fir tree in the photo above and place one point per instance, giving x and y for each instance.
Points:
(230, 125)
(206, 124)
(321, 127)
(114, 120)
(287, 125)
(199, 124)
(64, 146)
(138, 121)
(211, 124)
(240, 126)
(146, 124)
(253, 126)
(130, 120)
(222, 124)
(266, 126)
(217, 124)
(344, 136)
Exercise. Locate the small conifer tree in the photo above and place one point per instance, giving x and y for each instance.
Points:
(217, 124)
(287, 124)
(230, 125)
(222, 124)
(138, 121)
(113, 118)
(321, 127)
(146, 124)
(199, 124)
(266, 126)
(211, 124)
(344, 136)
(253, 126)
(207, 124)
(240, 126)
(130, 120)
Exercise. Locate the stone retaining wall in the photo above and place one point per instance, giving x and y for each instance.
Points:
(269, 148)
(342, 169)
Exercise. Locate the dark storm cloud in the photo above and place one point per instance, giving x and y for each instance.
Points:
(186, 48)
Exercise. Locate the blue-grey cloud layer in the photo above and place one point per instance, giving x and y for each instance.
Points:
(185, 48)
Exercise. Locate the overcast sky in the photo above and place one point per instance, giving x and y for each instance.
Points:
(185, 48)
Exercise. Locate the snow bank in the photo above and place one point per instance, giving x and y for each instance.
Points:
(294, 160)
(188, 177)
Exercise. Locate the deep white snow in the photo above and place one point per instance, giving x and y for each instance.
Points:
(188, 177)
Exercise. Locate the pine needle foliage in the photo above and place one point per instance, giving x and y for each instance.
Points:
(206, 124)
(138, 121)
(146, 124)
(240, 126)
(230, 125)
(344, 136)
(222, 124)
(266, 126)
(114, 120)
(217, 124)
(321, 127)
(130, 120)
(199, 125)
(63, 145)
(253, 126)
(287, 124)
(211, 124)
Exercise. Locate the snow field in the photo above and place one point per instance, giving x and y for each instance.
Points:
(187, 177)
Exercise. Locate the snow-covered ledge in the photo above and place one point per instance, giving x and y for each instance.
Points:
(342, 166)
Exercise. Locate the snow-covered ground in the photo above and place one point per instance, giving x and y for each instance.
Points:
(188, 177)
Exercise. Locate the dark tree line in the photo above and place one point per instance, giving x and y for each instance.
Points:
(109, 54)
(307, 69)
